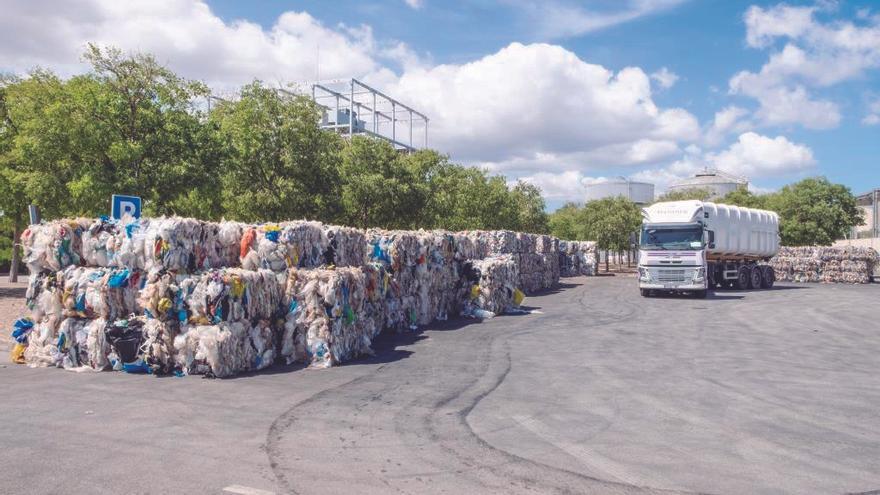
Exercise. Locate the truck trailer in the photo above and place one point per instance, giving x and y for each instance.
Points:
(694, 246)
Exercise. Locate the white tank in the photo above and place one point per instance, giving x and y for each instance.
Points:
(637, 192)
(715, 181)
(738, 232)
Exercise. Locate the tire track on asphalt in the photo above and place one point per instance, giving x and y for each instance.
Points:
(279, 427)
(631, 311)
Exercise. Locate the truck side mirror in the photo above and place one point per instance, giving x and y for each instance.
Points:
(711, 239)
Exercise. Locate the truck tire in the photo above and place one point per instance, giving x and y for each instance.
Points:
(743, 277)
(769, 276)
(645, 292)
(700, 294)
(756, 277)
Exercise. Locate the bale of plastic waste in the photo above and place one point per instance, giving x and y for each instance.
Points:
(852, 265)
(187, 244)
(333, 314)
(231, 294)
(425, 271)
(81, 344)
(577, 258)
(225, 349)
(108, 293)
(301, 244)
(491, 287)
(43, 298)
(53, 245)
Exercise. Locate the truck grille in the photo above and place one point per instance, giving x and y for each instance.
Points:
(670, 276)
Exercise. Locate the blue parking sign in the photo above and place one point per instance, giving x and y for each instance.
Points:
(126, 205)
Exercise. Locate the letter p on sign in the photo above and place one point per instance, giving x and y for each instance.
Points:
(125, 205)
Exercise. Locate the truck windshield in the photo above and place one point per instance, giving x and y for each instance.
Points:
(683, 238)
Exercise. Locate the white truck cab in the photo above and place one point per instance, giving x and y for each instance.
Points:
(695, 246)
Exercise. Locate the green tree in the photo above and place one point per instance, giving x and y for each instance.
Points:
(611, 222)
(130, 126)
(465, 198)
(567, 222)
(694, 193)
(815, 211)
(277, 163)
(530, 208)
(378, 189)
(743, 197)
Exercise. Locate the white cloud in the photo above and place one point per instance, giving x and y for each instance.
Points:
(541, 103)
(561, 18)
(665, 78)
(756, 155)
(765, 25)
(191, 39)
(564, 186)
(815, 55)
(415, 4)
(523, 106)
(781, 104)
(873, 115)
(731, 119)
(753, 156)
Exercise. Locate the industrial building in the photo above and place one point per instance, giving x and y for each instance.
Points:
(352, 107)
(870, 205)
(638, 192)
(716, 181)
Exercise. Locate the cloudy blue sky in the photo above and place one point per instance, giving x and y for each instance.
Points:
(557, 92)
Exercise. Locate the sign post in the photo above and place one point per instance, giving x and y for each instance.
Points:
(125, 205)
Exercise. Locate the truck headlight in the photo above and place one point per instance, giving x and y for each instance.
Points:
(644, 274)
(699, 274)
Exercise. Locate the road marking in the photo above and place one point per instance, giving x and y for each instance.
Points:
(246, 490)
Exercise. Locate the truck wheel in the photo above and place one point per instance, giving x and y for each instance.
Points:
(756, 277)
(743, 277)
(700, 294)
(645, 292)
(769, 276)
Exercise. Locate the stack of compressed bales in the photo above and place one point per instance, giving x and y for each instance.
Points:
(424, 270)
(72, 304)
(219, 321)
(332, 314)
(853, 265)
(491, 287)
(536, 256)
(403, 256)
(577, 258)
(545, 267)
(182, 244)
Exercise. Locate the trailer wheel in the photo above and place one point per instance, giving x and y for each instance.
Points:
(756, 277)
(743, 277)
(700, 294)
(769, 276)
(645, 292)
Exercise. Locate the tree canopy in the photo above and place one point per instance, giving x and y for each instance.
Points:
(132, 126)
(813, 211)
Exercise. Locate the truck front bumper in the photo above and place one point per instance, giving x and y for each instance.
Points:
(659, 286)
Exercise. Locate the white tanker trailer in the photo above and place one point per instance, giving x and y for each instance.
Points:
(694, 246)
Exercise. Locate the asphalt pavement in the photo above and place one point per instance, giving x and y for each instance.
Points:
(596, 391)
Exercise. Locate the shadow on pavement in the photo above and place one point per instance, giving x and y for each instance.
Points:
(13, 292)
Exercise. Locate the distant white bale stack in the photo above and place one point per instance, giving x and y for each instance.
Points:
(578, 258)
(850, 265)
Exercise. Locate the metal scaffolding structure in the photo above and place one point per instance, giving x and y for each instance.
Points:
(352, 107)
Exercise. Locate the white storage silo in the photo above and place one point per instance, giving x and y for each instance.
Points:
(719, 183)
